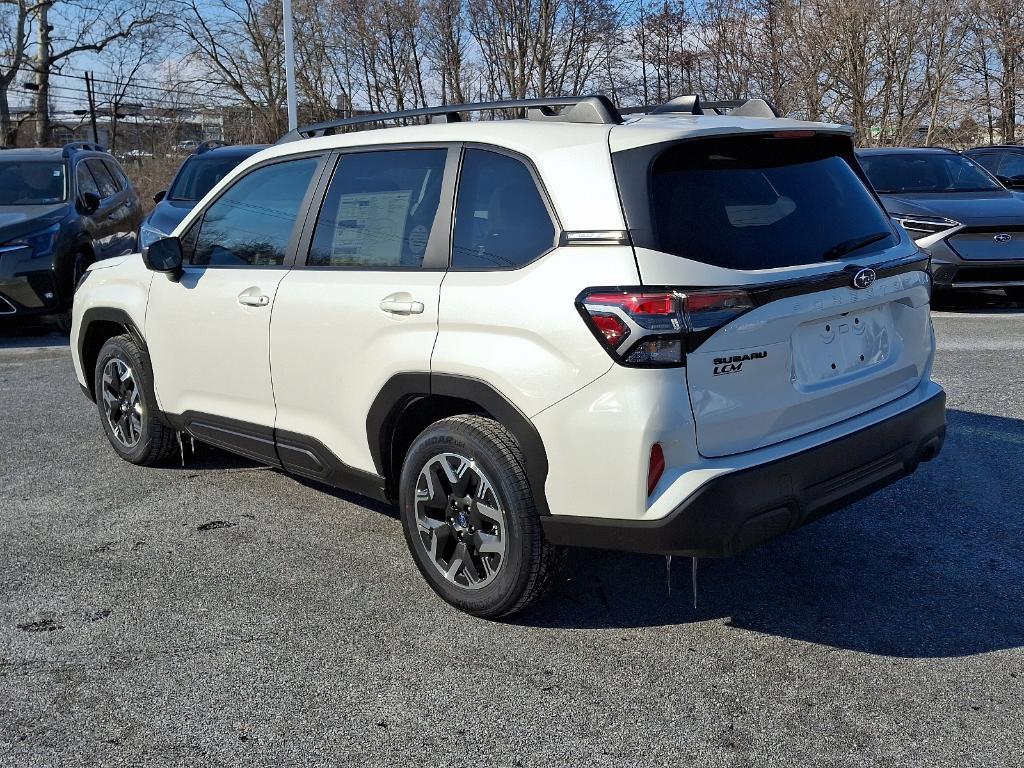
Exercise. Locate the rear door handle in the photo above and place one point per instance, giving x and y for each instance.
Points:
(401, 306)
(253, 299)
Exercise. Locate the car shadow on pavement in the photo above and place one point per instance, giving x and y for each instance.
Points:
(976, 302)
(25, 335)
(932, 566)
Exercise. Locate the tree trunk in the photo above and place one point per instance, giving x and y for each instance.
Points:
(42, 115)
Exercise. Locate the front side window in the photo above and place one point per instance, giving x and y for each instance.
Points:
(500, 217)
(379, 210)
(763, 202)
(31, 182)
(251, 223)
(86, 182)
(937, 172)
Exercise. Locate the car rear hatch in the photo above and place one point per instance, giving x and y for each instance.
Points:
(802, 305)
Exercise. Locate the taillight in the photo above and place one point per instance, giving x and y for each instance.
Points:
(655, 328)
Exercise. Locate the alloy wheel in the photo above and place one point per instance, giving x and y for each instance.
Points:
(460, 520)
(121, 402)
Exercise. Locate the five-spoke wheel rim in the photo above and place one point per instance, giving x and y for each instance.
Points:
(121, 402)
(460, 520)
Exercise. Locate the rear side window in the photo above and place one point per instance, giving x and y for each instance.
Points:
(250, 224)
(379, 210)
(1012, 166)
(120, 180)
(105, 182)
(762, 203)
(500, 217)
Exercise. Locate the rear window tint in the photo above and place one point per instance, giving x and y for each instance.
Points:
(763, 203)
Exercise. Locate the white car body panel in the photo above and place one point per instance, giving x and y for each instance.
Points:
(332, 349)
(122, 284)
(211, 353)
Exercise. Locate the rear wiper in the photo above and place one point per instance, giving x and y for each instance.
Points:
(853, 244)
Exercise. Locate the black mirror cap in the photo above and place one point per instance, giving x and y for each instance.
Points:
(90, 202)
(159, 195)
(165, 256)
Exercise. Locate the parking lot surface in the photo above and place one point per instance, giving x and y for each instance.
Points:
(220, 613)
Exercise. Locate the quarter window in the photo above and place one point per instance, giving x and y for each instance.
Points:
(251, 223)
(500, 218)
(379, 210)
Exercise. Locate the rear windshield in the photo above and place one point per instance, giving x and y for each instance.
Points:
(32, 182)
(199, 174)
(763, 202)
(901, 173)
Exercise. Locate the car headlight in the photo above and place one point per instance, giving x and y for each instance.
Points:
(149, 235)
(42, 242)
(920, 227)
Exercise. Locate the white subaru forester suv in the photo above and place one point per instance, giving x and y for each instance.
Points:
(683, 332)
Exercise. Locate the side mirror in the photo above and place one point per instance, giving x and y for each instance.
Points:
(165, 256)
(1014, 182)
(159, 195)
(90, 202)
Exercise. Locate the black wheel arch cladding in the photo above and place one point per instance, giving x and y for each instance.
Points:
(405, 390)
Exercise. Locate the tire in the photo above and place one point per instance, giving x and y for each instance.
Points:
(1015, 293)
(476, 463)
(134, 425)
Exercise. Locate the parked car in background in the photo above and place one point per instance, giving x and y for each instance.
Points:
(1004, 161)
(972, 226)
(60, 210)
(682, 333)
(208, 164)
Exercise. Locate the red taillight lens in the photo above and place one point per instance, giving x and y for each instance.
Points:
(611, 327)
(656, 328)
(656, 467)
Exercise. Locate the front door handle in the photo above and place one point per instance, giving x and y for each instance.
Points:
(253, 299)
(401, 304)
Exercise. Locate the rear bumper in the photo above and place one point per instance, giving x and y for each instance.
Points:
(742, 509)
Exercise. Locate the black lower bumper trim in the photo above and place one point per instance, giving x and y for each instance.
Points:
(742, 509)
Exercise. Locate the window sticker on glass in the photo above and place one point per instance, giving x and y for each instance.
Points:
(370, 228)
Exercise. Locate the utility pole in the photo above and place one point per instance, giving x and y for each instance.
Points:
(289, 65)
(92, 105)
(42, 110)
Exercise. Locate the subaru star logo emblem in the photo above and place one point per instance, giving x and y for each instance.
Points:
(863, 277)
(1002, 237)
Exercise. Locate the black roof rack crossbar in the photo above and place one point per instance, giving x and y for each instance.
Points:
(82, 146)
(573, 109)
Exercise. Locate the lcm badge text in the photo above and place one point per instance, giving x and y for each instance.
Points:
(734, 364)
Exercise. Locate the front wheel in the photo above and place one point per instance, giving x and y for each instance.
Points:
(127, 405)
(470, 519)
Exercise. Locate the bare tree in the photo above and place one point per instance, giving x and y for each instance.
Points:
(15, 29)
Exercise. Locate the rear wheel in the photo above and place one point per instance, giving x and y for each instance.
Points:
(470, 519)
(127, 406)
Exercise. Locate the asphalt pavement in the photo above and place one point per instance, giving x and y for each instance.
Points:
(220, 613)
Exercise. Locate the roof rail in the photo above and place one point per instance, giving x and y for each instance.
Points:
(212, 143)
(82, 146)
(692, 105)
(570, 109)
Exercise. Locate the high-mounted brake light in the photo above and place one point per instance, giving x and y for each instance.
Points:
(655, 328)
(792, 134)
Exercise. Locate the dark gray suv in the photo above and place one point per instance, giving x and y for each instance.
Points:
(970, 224)
(60, 210)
